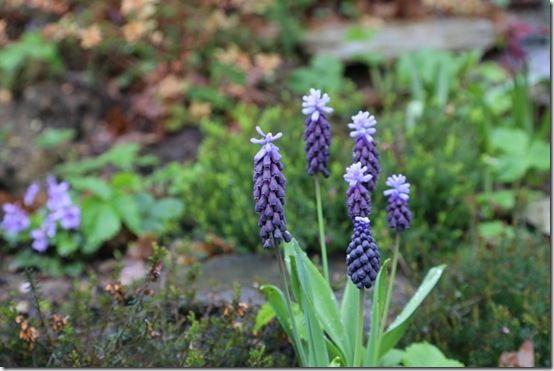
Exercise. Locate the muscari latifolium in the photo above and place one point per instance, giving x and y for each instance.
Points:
(322, 332)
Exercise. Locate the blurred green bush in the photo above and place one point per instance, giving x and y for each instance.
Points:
(492, 299)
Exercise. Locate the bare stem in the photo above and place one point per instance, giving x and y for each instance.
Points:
(321, 226)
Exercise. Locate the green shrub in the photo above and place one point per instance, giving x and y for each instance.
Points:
(493, 299)
(439, 159)
(143, 325)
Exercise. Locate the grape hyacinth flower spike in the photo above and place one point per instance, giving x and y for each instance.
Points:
(399, 215)
(362, 255)
(317, 131)
(358, 201)
(269, 190)
(365, 149)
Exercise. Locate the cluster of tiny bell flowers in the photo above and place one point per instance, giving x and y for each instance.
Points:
(363, 257)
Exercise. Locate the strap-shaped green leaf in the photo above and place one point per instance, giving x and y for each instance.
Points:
(317, 349)
(349, 316)
(400, 324)
(323, 298)
(379, 292)
(276, 299)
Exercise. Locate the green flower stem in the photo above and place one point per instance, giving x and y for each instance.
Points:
(358, 349)
(388, 295)
(321, 228)
(284, 283)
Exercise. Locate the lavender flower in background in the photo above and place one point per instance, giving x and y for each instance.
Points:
(358, 201)
(365, 149)
(317, 131)
(31, 194)
(399, 215)
(269, 190)
(70, 218)
(60, 205)
(15, 219)
(362, 255)
(58, 194)
(40, 239)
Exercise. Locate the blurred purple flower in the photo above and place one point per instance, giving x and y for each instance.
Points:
(31, 194)
(15, 219)
(70, 217)
(58, 194)
(40, 239)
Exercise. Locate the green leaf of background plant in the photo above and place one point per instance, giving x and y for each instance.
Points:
(512, 141)
(50, 138)
(539, 155)
(128, 211)
(100, 223)
(264, 316)
(426, 355)
(397, 328)
(95, 185)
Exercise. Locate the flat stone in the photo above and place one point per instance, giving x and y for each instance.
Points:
(396, 38)
(538, 215)
(220, 273)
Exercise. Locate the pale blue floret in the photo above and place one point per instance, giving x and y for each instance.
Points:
(399, 187)
(363, 124)
(314, 104)
(267, 145)
(356, 174)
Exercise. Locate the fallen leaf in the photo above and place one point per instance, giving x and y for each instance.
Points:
(524, 357)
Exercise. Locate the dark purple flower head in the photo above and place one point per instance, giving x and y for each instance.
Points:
(399, 215)
(317, 132)
(365, 148)
(358, 201)
(15, 219)
(31, 194)
(269, 190)
(362, 255)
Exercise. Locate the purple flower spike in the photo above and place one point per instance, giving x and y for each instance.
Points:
(365, 148)
(269, 190)
(15, 220)
(358, 201)
(317, 132)
(31, 194)
(362, 255)
(399, 215)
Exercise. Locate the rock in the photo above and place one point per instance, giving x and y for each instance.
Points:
(396, 38)
(538, 214)
(220, 273)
